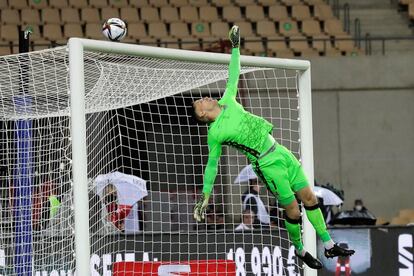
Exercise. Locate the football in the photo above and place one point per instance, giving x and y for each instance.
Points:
(114, 29)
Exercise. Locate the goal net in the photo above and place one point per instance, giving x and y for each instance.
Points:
(145, 161)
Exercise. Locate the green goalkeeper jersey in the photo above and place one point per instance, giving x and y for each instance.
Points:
(234, 127)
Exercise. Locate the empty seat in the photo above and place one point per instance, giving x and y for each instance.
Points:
(157, 30)
(244, 2)
(232, 13)
(118, 3)
(136, 31)
(52, 32)
(344, 43)
(34, 29)
(190, 44)
(9, 16)
(51, 16)
(138, 3)
(149, 41)
(171, 43)
(78, 3)
(158, 3)
(266, 28)
(254, 45)
(333, 27)
(309, 52)
(3, 4)
(58, 4)
(31, 16)
(321, 42)
(109, 13)
(70, 15)
(254, 13)
(220, 29)
(90, 15)
(9, 32)
(208, 14)
(189, 14)
(200, 29)
(198, 3)
(266, 2)
(314, 2)
(18, 4)
(311, 27)
(276, 43)
(278, 12)
(323, 12)
(301, 12)
(178, 3)
(38, 4)
(130, 15)
(5, 50)
(98, 3)
(221, 3)
(298, 43)
(291, 2)
(93, 30)
(411, 10)
(285, 53)
(72, 30)
(149, 14)
(179, 30)
(246, 28)
(169, 14)
(288, 27)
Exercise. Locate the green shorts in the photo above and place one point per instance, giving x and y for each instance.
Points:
(282, 174)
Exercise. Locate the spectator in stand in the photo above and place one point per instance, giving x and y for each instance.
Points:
(248, 217)
(359, 206)
(252, 201)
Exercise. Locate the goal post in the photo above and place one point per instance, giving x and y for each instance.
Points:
(78, 125)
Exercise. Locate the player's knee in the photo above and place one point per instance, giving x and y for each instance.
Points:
(309, 199)
(292, 211)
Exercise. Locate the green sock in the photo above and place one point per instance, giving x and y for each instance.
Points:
(316, 219)
(294, 235)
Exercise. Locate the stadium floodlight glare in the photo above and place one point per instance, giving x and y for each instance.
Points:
(72, 113)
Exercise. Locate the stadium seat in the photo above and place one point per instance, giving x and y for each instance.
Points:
(254, 45)
(321, 42)
(72, 30)
(309, 52)
(411, 10)
(291, 2)
(119, 3)
(36, 35)
(38, 4)
(221, 3)
(232, 13)
(266, 2)
(311, 27)
(169, 43)
(198, 3)
(90, 15)
(58, 4)
(200, 30)
(158, 3)
(138, 3)
(157, 30)
(285, 53)
(301, 12)
(178, 3)
(130, 15)
(244, 3)
(334, 27)
(3, 4)
(93, 30)
(189, 14)
(254, 13)
(246, 28)
(278, 12)
(10, 16)
(9, 32)
(220, 29)
(179, 30)
(399, 221)
(169, 14)
(190, 44)
(149, 14)
(136, 31)
(148, 41)
(30, 16)
(70, 15)
(109, 12)
(51, 16)
(208, 14)
(298, 43)
(18, 4)
(276, 43)
(347, 45)
(288, 27)
(78, 4)
(5, 50)
(314, 2)
(266, 28)
(98, 3)
(323, 12)
(52, 32)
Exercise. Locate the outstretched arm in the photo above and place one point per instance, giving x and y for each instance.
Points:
(234, 66)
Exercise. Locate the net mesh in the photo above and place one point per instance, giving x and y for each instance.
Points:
(146, 157)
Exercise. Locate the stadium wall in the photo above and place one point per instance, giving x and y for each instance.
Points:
(364, 129)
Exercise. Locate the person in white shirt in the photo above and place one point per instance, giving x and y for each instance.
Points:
(252, 201)
(247, 221)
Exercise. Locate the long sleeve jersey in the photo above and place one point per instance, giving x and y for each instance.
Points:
(234, 127)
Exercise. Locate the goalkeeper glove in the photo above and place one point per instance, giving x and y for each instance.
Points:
(234, 36)
(200, 207)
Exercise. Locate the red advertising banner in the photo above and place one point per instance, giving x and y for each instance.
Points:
(193, 268)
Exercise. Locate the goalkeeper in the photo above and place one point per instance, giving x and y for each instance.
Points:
(230, 124)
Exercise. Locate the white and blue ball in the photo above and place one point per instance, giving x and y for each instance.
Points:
(114, 29)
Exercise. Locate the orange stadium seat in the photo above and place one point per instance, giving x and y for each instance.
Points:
(130, 15)
(232, 13)
(109, 12)
(169, 14)
(266, 28)
(18, 4)
(220, 29)
(221, 3)
(288, 28)
(38, 4)
(10, 16)
(138, 3)
(72, 30)
(58, 4)
(334, 27)
(198, 3)
(70, 15)
(158, 3)
(311, 27)
(118, 3)
(278, 12)
(93, 30)
(200, 30)
(98, 3)
(246, 28)
(78, 3)
(31, 16)
(52, 32)
(178, 3)
(51, 16)
(209, 14)
(149, 14)
(157, 30)
(301, 12)
(323, 12)
(136, 31)
(9, 32)
(244, 2)
(254, 13)
(189, 14)
(179, 30)
(90, 15)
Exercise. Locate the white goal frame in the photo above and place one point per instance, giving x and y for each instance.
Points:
(78, 124)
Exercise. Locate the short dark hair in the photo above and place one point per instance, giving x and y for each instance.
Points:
(195, 116)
